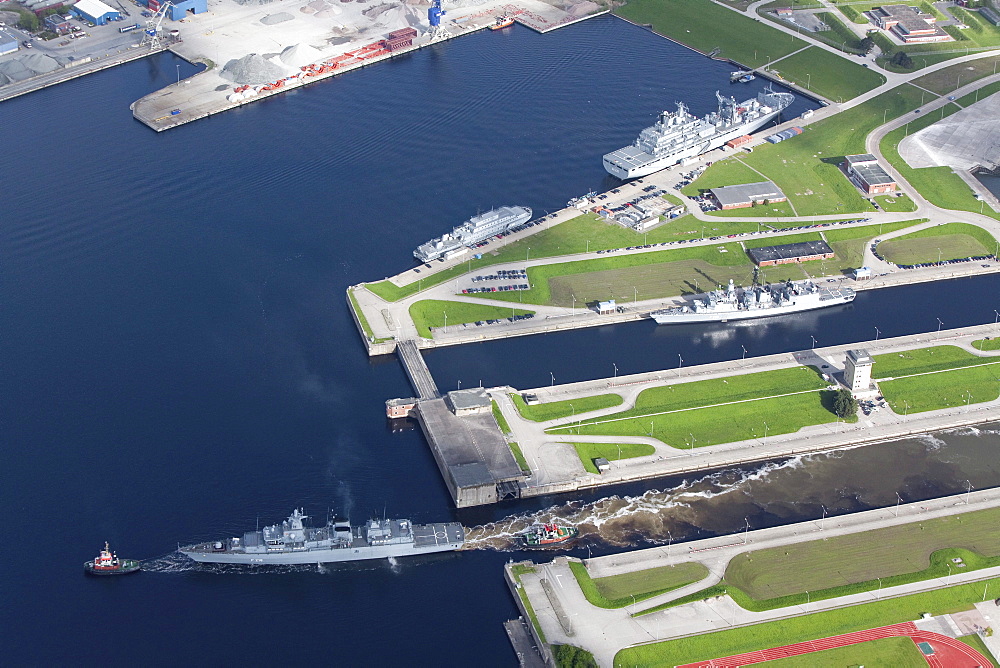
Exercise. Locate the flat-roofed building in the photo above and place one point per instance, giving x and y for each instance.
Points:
(858, 370)
(470, 402)
(864, 171)
(909, 24)
(400, 408)
(747, 194)
(790, 253)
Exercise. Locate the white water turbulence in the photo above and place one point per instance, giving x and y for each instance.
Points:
(654, 517)
(175, 562)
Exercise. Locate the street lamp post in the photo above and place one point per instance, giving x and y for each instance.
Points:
(813, 341)
(808, 79)
(765, 433)
(691, 449)
(526, 253)
(445, 319)
(939, 325)
(898, 500)
(746, 532)
(615, 377)
(680, 361)
(877, 333)
(744, 351)
(968, 491)
(553, 377)
(822, 519)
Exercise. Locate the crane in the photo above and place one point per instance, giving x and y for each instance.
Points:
(151, 35)
(434, 15)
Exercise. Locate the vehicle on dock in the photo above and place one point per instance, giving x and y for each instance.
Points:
(108, 563)
(542, 535)
(292, 542)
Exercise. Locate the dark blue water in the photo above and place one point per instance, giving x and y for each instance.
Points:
(177, 359)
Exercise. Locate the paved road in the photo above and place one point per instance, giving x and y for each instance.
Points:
(605, 632)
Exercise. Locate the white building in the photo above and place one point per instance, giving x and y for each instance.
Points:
(858, 371)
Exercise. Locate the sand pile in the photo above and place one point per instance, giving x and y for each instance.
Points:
(300, 54)
(274, 19)
(582, 8)
(253, 69)
(27, 66)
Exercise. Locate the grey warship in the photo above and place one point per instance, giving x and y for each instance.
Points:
(292, 542)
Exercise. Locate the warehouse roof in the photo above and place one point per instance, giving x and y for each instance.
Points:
(866, 166)
(747, 192)
(789, 251)
(94, 8)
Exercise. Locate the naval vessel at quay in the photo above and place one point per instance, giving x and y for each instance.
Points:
(473, 231)
(759, 301)
(678, 135)
(292, 542)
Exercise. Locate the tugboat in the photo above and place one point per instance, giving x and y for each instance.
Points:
(108, 563)
(541, 535)
(502, 22)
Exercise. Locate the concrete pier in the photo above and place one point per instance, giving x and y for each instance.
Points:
(416, 370)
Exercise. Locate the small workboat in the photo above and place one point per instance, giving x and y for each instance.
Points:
(108, 563)
(502, 22)
(541, 535)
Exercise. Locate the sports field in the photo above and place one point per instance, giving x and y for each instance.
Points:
(899, 652)
(806, 167)
(723, 410)
(944, 242)
(588, 452)
(428, 313)
(706, 27)
(617, 591)
(803, 628)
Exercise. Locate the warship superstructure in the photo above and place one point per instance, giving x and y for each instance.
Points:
(759, 301)
(678, 135)
(292, 542)
(473, 231)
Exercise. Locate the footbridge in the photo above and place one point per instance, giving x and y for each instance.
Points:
(416, 370)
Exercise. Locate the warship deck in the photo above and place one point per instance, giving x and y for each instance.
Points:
(428, 535)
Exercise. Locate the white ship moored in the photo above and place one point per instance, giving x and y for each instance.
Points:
(678, 135)
(756, 302)
(471, 232)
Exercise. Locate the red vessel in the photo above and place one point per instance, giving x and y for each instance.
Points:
(108, 563)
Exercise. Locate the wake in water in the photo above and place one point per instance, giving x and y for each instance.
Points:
(175, 562)
(655, 516)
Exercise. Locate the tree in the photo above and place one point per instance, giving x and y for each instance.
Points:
(900, 59)
(867, 44)
(844, 404)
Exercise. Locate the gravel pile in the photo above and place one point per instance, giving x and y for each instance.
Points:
(273, 19)
(253, 69)
(300, 54)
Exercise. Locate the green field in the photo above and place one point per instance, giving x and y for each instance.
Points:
(940, 185)
(560, 409)
(954, 240)
(687, 415)
(894, 203)
(806, 167)
(977, 643)
(428, 313)
(361, 315)
(828, 74)
(951, 78)
(616, 591)
(915, 250)
(588, 452)
(806, 627)
(860, 558)
(980, 94)
(663, 273)
(951, 377)
(992, 343)
(517, 570)
(769, 210)
(785, 239)
(898, 652)
(522, 463)
(706, 26)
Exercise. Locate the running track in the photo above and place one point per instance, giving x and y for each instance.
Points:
(947, 651)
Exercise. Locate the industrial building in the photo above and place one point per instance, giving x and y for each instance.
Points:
(909, 24)
(58, 24)
(990, 15)
(469, 402)
(747, 194)
(8, 44)
(864, 171)
(96, 12)
(789, 253)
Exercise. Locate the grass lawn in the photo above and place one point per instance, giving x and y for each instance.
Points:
(706, 26)
(992, 343)
(560, 409)
(980, 94)
(862, 557)
(686, 415)
(517, 571)
(784, 239)
(663, 273)
(361, 315)
(770, 210)
(428, 313)
(806, 167)
(977, 643)
(894, 203)
(588, 452)
(941, 185)
(942, 389)
(722, 173)
(922, 360)
(898, 652)
(501, 420)
(616, 591)
(807, 627)
(951, 78)
(953, 240)
(828, 74)
(522, 463)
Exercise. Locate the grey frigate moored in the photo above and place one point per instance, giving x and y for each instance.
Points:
(291, 542)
